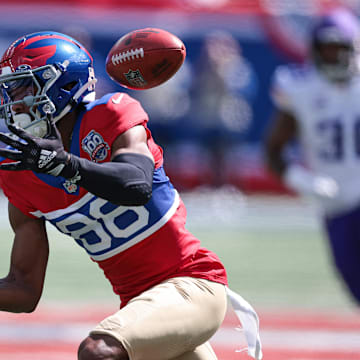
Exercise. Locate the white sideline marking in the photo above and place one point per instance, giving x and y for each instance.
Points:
(287, 339)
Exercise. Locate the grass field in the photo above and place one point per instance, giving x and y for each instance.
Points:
(276, 256)
(288, 270)
(274, 251)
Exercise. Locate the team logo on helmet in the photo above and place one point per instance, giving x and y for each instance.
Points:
(94, 144)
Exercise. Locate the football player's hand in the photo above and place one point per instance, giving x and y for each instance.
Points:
(41, 155)
(306, 182)
(325, 187)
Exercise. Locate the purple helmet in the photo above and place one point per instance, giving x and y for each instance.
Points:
(334, 44)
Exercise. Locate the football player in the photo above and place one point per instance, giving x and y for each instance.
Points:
(318, 105)
(92, 169)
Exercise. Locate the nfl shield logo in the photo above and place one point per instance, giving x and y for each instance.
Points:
(70, 184)
(70, 187)
(135, 78)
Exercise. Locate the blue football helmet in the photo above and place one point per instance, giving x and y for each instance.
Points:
(47, 72)
(334, 45)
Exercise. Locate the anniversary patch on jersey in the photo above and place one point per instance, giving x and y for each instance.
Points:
(94, 144)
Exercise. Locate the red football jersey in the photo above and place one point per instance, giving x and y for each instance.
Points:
(137, 246)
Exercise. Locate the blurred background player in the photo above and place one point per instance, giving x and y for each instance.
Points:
(222, 93)
(318, 104)
(203, 112)
(92, 169)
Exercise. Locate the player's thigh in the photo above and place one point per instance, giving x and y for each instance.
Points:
(202, 352)
(168, 320)
(343, 233)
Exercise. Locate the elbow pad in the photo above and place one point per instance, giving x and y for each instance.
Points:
(137, 173)
(126, 180)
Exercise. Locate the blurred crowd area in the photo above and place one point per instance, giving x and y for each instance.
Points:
(211, 117)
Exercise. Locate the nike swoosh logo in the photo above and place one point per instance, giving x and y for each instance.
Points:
(117, 100)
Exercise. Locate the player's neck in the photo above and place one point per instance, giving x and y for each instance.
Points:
(66, 127)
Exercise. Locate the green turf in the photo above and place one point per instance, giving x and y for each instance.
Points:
(270, 268)
(280, 268)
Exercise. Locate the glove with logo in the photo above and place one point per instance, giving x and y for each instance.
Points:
(126, 180)
(41, 155)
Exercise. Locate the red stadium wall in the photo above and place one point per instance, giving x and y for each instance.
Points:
(226, 6)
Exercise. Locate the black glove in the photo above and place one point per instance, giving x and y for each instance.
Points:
(42, 155)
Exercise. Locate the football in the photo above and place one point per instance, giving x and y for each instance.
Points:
(145, 58)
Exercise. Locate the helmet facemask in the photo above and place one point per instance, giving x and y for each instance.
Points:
(25, 87)
(48, 73)
(337, 60)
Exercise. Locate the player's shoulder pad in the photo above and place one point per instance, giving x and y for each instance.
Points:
(117, 111)
(110, 100)
(288, 83)
(291, 75)
(117, 104)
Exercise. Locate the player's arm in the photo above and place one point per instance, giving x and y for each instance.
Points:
(283, 129)
(295, 176)
(126, 180)
(21, 289)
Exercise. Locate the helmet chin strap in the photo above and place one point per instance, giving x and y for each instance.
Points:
(90, 96)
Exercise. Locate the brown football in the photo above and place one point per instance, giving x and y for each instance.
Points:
(145, 58)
